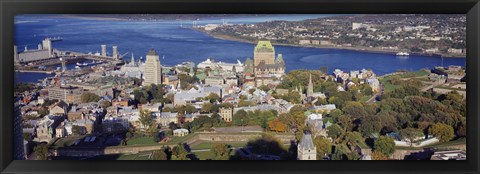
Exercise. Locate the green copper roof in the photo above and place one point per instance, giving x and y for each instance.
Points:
(248, 61)
(264, 46)
(201, 75)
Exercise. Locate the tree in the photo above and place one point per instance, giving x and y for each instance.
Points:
(159, 155)
(77, 130)
(145, 118)
(41, 151)
(384, 145)
(105, 104)
(212, 97)
(179, 152)
(221, 151)
(276, 125)
(411, 134)
(335, 132)
(370, 126)
(324, 147)
(89, 97)
(443, 132)
(379, 156)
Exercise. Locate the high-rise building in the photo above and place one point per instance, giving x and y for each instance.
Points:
(47, 45)
(264, 53)
(15, 54)
(310, 87)
(115, 52)
(104, 50)
(306, 149)
(153, 69)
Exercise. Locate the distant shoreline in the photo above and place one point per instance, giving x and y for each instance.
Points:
(360, 49)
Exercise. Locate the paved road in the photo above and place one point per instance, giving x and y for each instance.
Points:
(374, 97)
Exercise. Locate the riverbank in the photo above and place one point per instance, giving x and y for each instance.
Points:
(360, 49)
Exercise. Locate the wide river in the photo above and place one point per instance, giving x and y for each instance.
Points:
(176, 44)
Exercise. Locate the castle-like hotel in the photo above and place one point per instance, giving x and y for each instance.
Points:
(264, 68)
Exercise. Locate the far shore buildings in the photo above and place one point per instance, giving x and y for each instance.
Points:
(153, 69)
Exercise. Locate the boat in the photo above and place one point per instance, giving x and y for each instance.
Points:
(82, 64)
(77, 67)
(55, 39)
(402, 54)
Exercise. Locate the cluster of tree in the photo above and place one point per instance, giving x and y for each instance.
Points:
(89, 97)
(186, 81)
(204, 123)
(260, 118)
(41, 151)
(153, 94)
(22, 87)
(178, 152)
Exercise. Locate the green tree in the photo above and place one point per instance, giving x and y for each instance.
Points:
(324, 147)
(384, 145)
(179, 152)
(411, 134)
(443, 132)
(212, 97)
(335, 132)
(89, 97)
(159, 155)
(221, 151)
(145, 118)
(41, 151)
(77, 130)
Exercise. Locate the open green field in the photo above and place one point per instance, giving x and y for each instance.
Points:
(141, 140)
(64, 142)
(139, 156)
(208, 145)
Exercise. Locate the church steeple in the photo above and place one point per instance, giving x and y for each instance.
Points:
(310, 86)
(133, 60)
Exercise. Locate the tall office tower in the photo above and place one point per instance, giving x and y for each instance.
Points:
(153, 69)
(104, 50)
(47, 45)
(15, 54)
(264, 53)
(115, 52)
(310, 86)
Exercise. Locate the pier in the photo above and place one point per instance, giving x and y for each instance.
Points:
(35, 71)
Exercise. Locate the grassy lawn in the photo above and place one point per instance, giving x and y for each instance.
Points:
(208, 145)
(208, 155)
(139, 156)
(414, 74)
(141, 140)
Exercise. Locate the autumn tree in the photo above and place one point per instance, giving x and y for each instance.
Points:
(443, 132)
(276, 125)
(379, 156)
